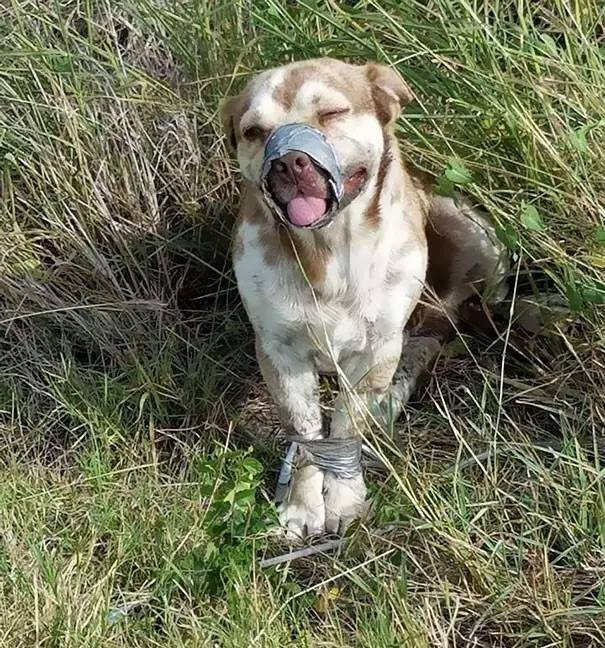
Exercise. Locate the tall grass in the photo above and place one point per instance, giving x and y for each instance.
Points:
(131, 512)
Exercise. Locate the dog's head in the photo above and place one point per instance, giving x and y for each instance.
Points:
(350, 105)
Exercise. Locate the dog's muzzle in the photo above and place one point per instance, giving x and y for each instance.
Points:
(304, 139)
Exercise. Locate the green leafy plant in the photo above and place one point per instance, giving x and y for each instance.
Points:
(235, 517)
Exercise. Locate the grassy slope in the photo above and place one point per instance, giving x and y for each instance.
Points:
(129, 393)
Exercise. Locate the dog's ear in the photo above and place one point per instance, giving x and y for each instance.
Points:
(227, 112)
(389, 91)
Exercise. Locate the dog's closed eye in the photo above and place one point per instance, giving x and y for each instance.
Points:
(331, 114)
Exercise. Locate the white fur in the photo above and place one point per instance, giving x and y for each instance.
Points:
(355, 297)
(345, 500)
(304, 512)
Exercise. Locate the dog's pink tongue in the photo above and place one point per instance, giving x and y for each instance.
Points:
(305, 210)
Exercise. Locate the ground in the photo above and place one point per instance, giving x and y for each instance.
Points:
(139, 447)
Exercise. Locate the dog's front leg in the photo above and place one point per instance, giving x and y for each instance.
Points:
(365, 379)
(293, 384)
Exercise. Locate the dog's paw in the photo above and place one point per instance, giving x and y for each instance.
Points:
(302, 513)
(345, 500)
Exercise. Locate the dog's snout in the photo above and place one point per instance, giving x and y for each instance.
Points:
(295, 165)
(300, 162)
(295, 174)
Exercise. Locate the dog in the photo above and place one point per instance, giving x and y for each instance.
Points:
(331, 270)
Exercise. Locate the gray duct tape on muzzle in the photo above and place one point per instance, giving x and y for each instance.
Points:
(309, 140)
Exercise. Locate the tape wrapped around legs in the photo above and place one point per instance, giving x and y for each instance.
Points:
(339, 456)
(342, 457)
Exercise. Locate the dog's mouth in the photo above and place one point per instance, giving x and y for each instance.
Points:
(307, 211)
(302, 179)
(301, 191)
(308, 201)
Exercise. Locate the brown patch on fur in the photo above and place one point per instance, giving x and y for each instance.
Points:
(350, 80)
(429, 318)
(423, 183)
(372, 214)
(273, 248)
(285, 92)
(390, 92)
(251, 209)
(312, 258)
(383, 111)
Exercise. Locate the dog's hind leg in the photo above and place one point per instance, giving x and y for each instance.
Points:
(466, 259)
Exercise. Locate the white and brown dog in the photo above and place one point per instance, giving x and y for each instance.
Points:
(330, 282)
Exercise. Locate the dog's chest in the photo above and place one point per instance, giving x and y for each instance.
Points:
(356, 300)
(334, 319)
